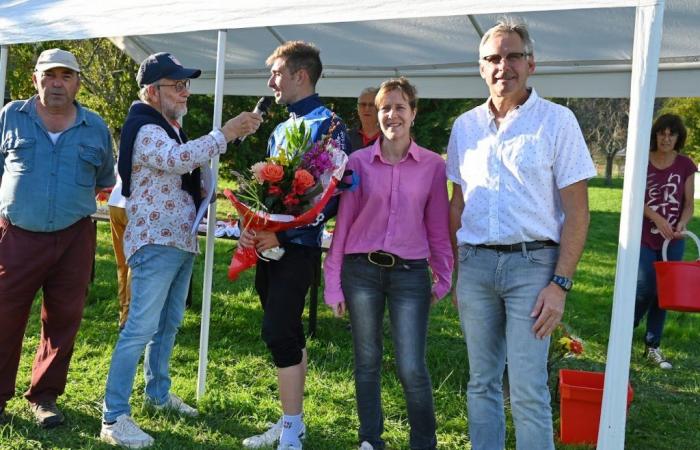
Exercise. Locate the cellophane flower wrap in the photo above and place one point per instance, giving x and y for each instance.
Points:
(288, 190)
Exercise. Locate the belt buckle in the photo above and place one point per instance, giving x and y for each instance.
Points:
(382, 260)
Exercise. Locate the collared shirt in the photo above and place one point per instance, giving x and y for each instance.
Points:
(48, 187)
(511, 175)
(159, 211)
(398, 208)
(317, 119)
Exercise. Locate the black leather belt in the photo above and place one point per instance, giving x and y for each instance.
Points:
(533, 245)
(385, 259)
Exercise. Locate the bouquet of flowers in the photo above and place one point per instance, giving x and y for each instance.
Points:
(286, 191)
(563, 345)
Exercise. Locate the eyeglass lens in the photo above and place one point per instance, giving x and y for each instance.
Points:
(510, 57)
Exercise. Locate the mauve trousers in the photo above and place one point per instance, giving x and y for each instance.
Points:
(59, 263)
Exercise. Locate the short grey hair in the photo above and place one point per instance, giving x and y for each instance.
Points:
(510, 24)
(143, 93)
(369, 90)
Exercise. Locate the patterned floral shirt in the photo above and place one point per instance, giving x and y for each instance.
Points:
(159, 211)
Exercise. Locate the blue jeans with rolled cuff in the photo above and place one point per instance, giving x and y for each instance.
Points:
(160, 280)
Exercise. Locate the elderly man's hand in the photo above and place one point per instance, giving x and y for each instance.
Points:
(549, 310)
(242, 125)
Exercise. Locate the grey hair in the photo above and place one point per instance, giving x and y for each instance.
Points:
(369, 90)
(143, 93)
(510, 24)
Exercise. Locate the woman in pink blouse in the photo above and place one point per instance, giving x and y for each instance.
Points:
(391, 247)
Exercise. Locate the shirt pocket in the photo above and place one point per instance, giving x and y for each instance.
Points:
(19, 155)
(89, 161)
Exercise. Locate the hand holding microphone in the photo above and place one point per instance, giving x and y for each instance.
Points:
(246, 123)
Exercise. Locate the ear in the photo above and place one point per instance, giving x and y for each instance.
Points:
(301, 76)
(35, 82)
(530, 65)
(482, 70)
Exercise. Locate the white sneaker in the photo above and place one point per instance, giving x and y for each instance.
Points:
(654, 355)
(365, 446)
(176, 404)
(269, 437)
(126, 433)
(289, 447)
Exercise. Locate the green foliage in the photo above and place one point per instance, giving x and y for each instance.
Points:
(689, 110)
(434, 121)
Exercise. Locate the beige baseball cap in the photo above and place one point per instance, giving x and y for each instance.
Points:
(55, 57)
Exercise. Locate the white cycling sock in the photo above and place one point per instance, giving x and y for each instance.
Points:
(291, 427)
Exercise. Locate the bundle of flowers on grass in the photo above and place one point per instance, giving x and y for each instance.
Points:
(288, 190)
(564, 345)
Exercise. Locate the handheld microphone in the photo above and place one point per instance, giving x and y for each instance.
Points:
(260, 108)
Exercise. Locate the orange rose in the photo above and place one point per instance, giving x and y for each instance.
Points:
(303, 180)
(272, 173)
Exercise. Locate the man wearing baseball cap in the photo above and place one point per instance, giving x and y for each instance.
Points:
(55, 155)
(160, 180)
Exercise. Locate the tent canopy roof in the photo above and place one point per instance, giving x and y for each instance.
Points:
(583, 48)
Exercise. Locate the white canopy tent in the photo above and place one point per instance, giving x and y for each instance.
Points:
(591, 48)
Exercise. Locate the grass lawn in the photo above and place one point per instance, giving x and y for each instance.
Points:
(241, 395)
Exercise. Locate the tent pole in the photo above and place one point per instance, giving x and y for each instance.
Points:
(4, 51)
(645, 62)
(211, 221)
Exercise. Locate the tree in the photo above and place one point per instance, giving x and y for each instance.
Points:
(604, 125)
(689, 110)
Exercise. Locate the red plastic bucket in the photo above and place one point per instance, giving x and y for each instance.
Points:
(678, 282)
(580, 398)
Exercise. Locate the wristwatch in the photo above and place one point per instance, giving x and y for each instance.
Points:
(565, 283)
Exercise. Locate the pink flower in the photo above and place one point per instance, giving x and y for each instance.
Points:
(257, 169)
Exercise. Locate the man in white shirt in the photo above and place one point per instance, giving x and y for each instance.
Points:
(518, 220)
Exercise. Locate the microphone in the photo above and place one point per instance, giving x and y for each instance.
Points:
(260, 108)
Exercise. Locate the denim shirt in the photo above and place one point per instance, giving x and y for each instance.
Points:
(317, 119)
(48, 187)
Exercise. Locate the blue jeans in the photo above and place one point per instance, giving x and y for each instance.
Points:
(160, 278)
(406, 289)
(497, 292)
(647, 301)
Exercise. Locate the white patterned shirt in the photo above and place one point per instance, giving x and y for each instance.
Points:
(159, 210)
(511, 175)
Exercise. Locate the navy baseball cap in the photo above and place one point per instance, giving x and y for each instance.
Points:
(163, 65)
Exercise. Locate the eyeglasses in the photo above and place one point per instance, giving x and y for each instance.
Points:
(512, 58)
(179, 85)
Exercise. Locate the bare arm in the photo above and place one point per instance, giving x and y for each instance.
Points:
(661, 223)
(550, 302)
(456, 208)
(574, 200)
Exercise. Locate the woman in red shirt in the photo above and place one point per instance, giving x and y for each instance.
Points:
(668, 207)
